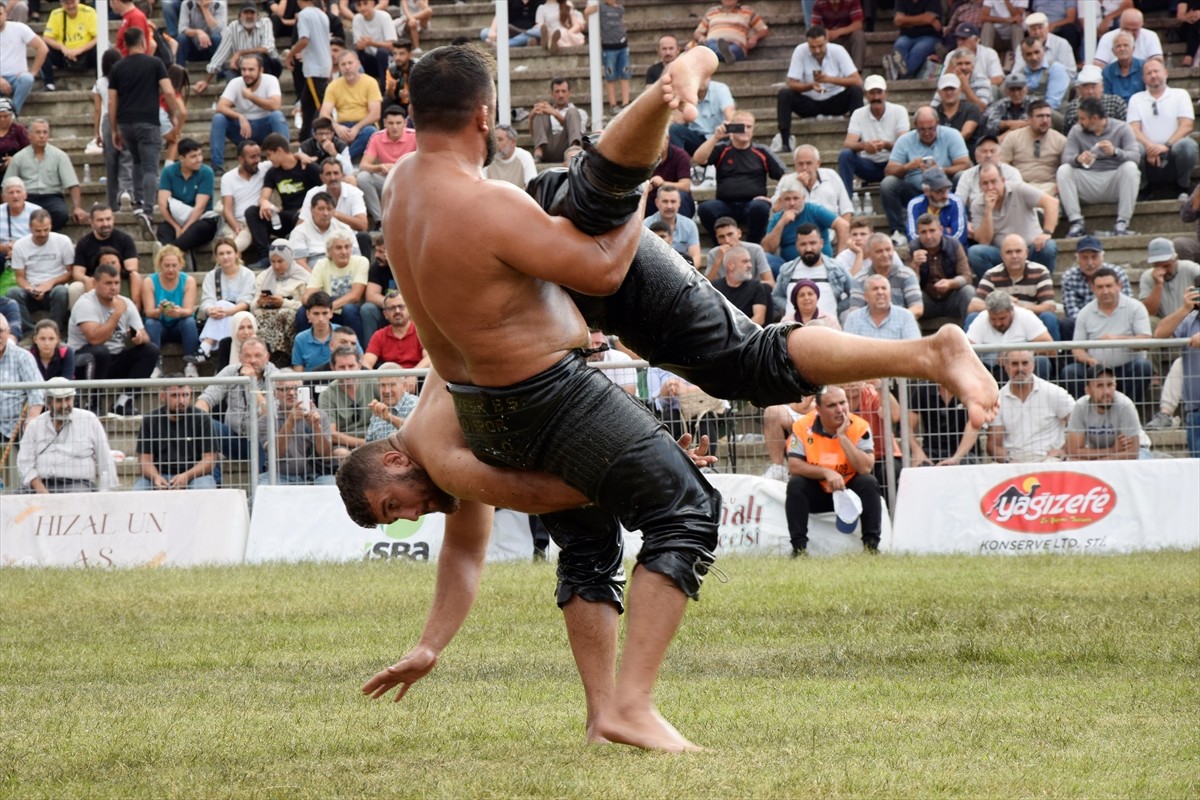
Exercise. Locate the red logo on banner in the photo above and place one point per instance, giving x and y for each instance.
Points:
(1048, 502)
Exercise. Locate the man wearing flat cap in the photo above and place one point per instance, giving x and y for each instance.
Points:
(65, 449)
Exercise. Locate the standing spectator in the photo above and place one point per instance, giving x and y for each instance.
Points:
(105, 234)
(233, 430)
(1104, 424)
(226, 290)
(134, 88)
(715, 106)
(953, 112)
(395, 403)
(1031, 425)
(513, 164)
(1036, 150)
(70, 35)
(1111, 315)
(108, 328)
(843, 23)
(398, 342)
(1188, 14)
(15, 212)
(1008, 323)
(935, 199)
(1162, 119)
(132, 17)
(65, 449)
(943, 273)
(292, 179)
(240, 190)
(822, 80)
(303, 438)
(53, 358)
(1003, 210)
(201, 25)
(356, 100)
(668, 51)
(928, 146)
(185, 193)
(249, 108)
(871, 135)
(383, 150)
(342, 275)
(880, 318)
(169, 306)
(248, 35)
(731, 30)
(1184, 324)
(42, 263)
(17, 406)
(1146, 45)
(556, 125)
(1090, 85)
(47, 173)
(13, 135)
(313, 50)
(614, 50)
(280, 291)
(374, 33)
(16, 73)
(742, 170)
(1123, 75)
(1077, 282)
(1030, 284)
(1100, 160)
(176, 448)
(685, 236)
(920, 24)
(741, 288)
(1009, 112)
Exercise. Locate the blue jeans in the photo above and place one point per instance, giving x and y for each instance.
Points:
(203, 482)
(983, 257)
(22, 85)
(754, 214)
(183, 331)
(1133, 378)
(851, 164)
(11, 312)
(687, 138)
(894, 194)
(807, 6)
(225, 129)
(372, 320)
(359, 145)
(189, 50)
(738, 53)
(1191, 422)
(170, 10)
(915, 52)
(533, 35)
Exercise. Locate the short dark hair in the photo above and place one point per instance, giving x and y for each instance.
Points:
(133, 37)
(40, 215)
(275, 141)
(108, 251)
(99, 207)
(321, 123)
(928, 219)
(361, 472)
(447, 87)
(1093, 107)
(658, 226)
(806, 228)
(815, 32)
(244, 144)
(560, 79)
(1104, 272)
(315, 299)
(107, 269)
(1036, 105)
(1030, 41)
(321, 197)
(393, 111)
(725, 222)
(342, 352)
(331, 160)
(188, 146)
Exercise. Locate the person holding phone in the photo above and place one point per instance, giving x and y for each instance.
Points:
(742, 170)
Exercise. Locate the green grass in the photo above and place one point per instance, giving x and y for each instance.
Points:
(847, 677)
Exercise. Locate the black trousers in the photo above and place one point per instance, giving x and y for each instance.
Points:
(791, 102)
(198, 234)
(805, 496)
(132, 362)
(261, 233)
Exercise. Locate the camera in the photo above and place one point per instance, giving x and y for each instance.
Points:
(735, 127)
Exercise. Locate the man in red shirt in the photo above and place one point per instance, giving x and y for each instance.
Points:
(384, 149)
(398, 343)
(131, 17)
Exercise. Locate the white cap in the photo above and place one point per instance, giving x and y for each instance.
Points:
(949, 79)
(1037, 18)
(874, 82)
(848, 507)
(1090, 74)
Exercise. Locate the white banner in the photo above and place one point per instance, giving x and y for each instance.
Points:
(124, 529)
(1098, 507)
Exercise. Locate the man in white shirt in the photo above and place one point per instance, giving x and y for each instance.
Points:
(986, 73)
(349, 203)
(374, 32)
(872, 132)
(240, 188)
(15, 69)
(821, 81)
(1162, 119)
(1031, 425)
(42, 263)
(65, 449)
(1006, 323)
(513, 164)
(307, 239)
(249, 108)
(819, 184)
(15, 211)
(1145, 43)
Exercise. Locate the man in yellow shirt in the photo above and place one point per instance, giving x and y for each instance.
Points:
(356, 99)
(831, 450)
(71, 36)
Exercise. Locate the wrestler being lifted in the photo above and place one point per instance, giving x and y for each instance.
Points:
(523, 393)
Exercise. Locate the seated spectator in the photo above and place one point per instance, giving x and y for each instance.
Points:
(556, 125)
(1090, 85)
(854, 257)
(730, 235)
(303, 438)
(396, 79)
(742, 169)
(1035, 150)
(928, 146)
(225, 291)
(1104, 424)
(920, 24)
(17, 366)
(70, 36)
(954, 112)
(1058, 36)
(1007, 322)
(16, 72)
(169, 306)
(904, 285)
(946, 436)
(805, 300)
(65, 449)
(1077, 282)
(1146, 45)
(780, 241)
(380, 280)
(880, 318)
(41, 263)
(1162, 119)
(1188, 16)
(1002, 211)
(244, 327)
(668, 51)
(349, 203)
(342, 337)
(356, 101)
(1009, 112)
(15, 212)
(1184, 324)
(280, 290)
(561, 25)
(13, 135)
(201, 26)
(830, 450)
(1030, 284)
(324, 144)
(669, 393)
(249, 108)
(311, 346)
(1111, 315)
(843, 24)
(818, 185)
(1123, 75)
(1032, 421)
(395, 403)
(813, 265)
(308, 238)
(347, 403)
(986, 152)
(342, 275)
(47, 173)
(374, 32)
(871, 135)
(176, 447)
(741, 288)
(943, 272)
(53, 358)
(185, 193)
(985, 75)
(292, 178)
(522, 24)
(105, 235)
(731, 30)
(247, 36)
(777, 430)
(1100, 161)
(822, 80)
(1164, 286)
(383, 151)
(935, 199)
(240, 190)
(674, 169)
(513, 164)
(108, 329)
(233, 429)
(1189, 212)
(715, 107)
(398, 343)
(685, 236)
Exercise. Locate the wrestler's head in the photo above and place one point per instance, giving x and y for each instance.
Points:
(380, 484)
(452, 90)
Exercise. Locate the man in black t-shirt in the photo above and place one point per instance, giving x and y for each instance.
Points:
(176, 448)
(324, 144)
(942, 432)
(291, 178)
(742, 171)
(104, 234)
(668, 51)
(741, 286)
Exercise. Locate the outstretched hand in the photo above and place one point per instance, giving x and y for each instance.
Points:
(699, 453)
(416, 664)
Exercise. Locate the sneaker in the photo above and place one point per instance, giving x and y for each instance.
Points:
(799, 552)
(126, 201)
(776, 472)
(899, 240)
(555, 38)
(50, 87)
(778, 145)
(157, 372)
(189, 370)
(1161, 422)
(93, 148)
(1077, 230)
(145, 222)
(519, 115)
(894, 66)
(726, 52)
(1183, 197)
(125, 409)
(1122, 229)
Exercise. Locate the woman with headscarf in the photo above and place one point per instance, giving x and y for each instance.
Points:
(230, 352)
(802, 306)
(279, 293)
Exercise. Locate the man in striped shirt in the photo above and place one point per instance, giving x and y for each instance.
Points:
(65, 449)
(731, 30)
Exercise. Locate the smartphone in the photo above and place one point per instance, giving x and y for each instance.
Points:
(266, 292)
(735, 127)
(304, 398)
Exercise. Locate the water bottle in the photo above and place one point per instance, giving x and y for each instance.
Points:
(857, 202)
(868, 206)
(87, 173)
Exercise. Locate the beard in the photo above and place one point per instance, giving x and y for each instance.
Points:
(811, 259)
(436, 498)
(491, 148)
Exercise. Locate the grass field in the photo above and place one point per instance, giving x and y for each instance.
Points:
(847, 677)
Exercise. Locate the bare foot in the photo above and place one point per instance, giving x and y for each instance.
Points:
(955, 366)
(682, 79)
(594, 736)
(644, 728)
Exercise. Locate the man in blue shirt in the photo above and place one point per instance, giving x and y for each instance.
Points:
(1045, 81)
(715, 107)
(685, 236)
(185, 195)
(783, 226)
(935, 198)
(929, 145)
(880, 318)
(1123, 75)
